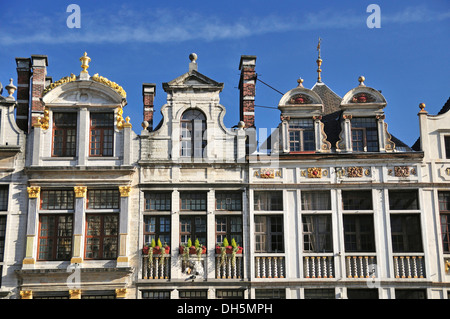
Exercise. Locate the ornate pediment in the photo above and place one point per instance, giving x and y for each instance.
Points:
(193, 79)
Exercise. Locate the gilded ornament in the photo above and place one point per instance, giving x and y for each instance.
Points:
(26, 294)
(46, 119)
(354, 171)
(116, 87)
(61, 81)
(80, 191)
(315, 172)
(401, 171)
(85, 62)
(267, 173)
(121, 292)
(124, 191)
(33, 191)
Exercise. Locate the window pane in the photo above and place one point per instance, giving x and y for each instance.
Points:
(357, 200)
(359, 233)
(447, 146)
(406, 233)
(101, 134)
(301, 135)
(4, 198)
(64, 134)
(364, 134)
(269, 234)
(317, 233)
(57, 199)
(103, 199)
(229, 201)
(268, 200)
(2, 236)
(101, 236)
(316, 200)
(158, 201)
(193, 201)
(403, 200)
(55, 237)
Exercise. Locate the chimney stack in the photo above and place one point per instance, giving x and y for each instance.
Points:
(148, 94)
(247, 84)
(38, 80)
(23, 92)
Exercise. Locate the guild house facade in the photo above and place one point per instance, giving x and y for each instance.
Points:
(330, 205)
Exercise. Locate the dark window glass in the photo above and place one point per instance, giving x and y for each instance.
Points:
(193, 294)
(2, 236)
(229, 227)
(57, 199)
(406, 233)
(270, 294)
(228, 201)
(447, 146)
(4, 197)
(103, 199)
(301, 135)
(158, 201)
(364, 134)
(317, 235)
(155, 294)
(193, 141)
(55, 237)
(316, 200)
(264, 200)
(410, 294)
(362, 293)
(102, 232)
(320, 294)
(403, 200)
(64, 134)
(269, 234)
(193, 227)
(101, 134)
(193, 201)
(359, 233)
(229, 294)
(444, 209)
(357, 200)
(157, 227)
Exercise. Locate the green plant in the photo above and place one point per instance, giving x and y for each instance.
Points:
(198, 249)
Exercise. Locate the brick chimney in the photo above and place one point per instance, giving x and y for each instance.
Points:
(23, 92)
(247, 84)
(38, 80)
(148, 95)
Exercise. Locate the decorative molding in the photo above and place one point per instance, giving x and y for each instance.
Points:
(80, 191)
(121, 292)
(26, 294)
(401, 171)
(33, 191)
(354, 171)
(75, 293)
(300, 99)
(363, 97)
(61, 81)
(124, 191)
(113, 85)
(315, 172)
(266, 173)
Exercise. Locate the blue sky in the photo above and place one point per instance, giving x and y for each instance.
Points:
(139, 42)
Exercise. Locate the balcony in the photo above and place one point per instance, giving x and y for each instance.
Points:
(358, 266)
(270, 266)
(228, 267)
(409, 266)
(155, 267)
(318, 266)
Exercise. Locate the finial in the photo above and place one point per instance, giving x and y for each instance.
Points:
(193, 65)
(85, 62)
(300, 82)
(11, 88)
(422, 106)
(361, 80)
(319, 63)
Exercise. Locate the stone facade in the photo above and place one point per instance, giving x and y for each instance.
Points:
(330, 206)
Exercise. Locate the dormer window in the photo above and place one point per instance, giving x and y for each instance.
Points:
(301, 135)
(64, 134)
(447, 146)
(193, 126)
(364, 134)
(101, 134)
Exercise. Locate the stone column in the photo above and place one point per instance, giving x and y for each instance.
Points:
(122, 259)
(33, 201)
(80, 206)
(127, 143)
(210, 266)
(83, 136)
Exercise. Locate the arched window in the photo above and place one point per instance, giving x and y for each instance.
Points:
(193, 126)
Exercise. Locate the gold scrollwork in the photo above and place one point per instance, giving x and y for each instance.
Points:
(121, 292)
(315, 172)
(354, 171)
(113, 85)
(267, 173)
(26, 294)
(401, 171)
(61, 81)
(124, 191)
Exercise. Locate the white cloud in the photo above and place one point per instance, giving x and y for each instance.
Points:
(161, 26)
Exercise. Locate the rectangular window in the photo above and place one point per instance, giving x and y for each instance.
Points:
(64, 134)
(193, 201)
(269, 234)
(316, 200)
(359, 233)
(317, 236)
(270, 294)
(362, 293)
(410, 294)
(101, 236)
(364, 134)
(155, 294)
(229, 227)
(264, 200)
(321, 293)
(447, 146)
(406, 233)
(2, 236)
(229, 201)
(403, 199)
(157, 227)
(301, 135)
(193, 294)
(229, 294)
(357, 200)
(444, 210)
(57, 199)
(103, 199)
(158, 201)
(55, 237)
(101, 134)
(193, 227)
(4, 192)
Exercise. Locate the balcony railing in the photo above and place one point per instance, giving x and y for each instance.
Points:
(155, 267)
(318, 266)
(409, 266)
(361, 266)
(269, 267)
(229, 268)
